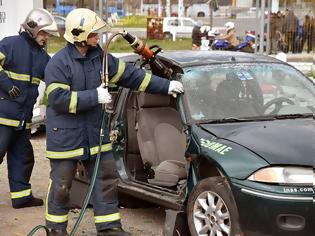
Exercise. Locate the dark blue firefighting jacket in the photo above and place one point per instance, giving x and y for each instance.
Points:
(73, 112)
(22, 63)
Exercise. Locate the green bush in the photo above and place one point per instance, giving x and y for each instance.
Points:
(132, 22)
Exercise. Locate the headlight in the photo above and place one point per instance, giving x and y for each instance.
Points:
(284, 175)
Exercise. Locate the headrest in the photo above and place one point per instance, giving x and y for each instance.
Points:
(146, 100)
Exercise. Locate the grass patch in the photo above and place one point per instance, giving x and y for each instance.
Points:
(121, 45)
(132, 22)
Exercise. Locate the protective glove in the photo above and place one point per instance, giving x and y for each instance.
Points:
(175, 88)
(14, 92)
(103, 95)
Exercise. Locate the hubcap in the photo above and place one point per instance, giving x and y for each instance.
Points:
(211, 215)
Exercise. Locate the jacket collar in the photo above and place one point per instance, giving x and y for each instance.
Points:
(91, 53)
(30, 40)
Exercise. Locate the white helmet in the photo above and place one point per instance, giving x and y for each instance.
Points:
(229, 25)
(40, 19)
(81, 22)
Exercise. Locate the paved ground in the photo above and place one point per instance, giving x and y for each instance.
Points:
(140, 222)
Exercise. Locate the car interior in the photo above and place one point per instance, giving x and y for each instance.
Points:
(156, 141)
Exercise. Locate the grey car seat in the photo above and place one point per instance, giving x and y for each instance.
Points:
(161, 140)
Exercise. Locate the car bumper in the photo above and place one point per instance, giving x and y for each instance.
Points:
(263, 212)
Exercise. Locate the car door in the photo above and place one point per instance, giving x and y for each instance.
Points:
(187, 26)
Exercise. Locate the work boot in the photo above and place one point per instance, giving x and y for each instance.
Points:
(32, 202)
(58, 232)
(113, 232)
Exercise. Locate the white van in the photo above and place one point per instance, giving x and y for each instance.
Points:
(177, 26)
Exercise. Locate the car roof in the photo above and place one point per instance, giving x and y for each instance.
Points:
(185, 58)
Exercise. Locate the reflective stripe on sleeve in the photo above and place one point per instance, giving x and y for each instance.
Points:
(20, 194)
(54, 86)
(53, 218)
(120, 71)
(16, 76)
(2, 58)
(35, 80)
(9, 122)
(28, 126)
(107, 218)
(65, 154)
(105, 148)
(73, 102)
(145, 82)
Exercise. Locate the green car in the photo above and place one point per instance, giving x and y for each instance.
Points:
(235, 152)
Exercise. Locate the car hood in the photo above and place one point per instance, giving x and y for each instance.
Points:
(287, 142)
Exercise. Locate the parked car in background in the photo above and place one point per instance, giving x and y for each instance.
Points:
(235, 152)
(177, 26)
(60, 20)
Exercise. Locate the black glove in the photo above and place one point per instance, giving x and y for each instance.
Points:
(14, 92)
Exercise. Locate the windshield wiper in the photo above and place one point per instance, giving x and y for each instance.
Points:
(293, 116)
(227, 120)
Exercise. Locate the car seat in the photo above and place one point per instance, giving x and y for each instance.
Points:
(161, 139)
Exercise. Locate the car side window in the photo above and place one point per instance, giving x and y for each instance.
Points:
(188, 23)
(173, 22)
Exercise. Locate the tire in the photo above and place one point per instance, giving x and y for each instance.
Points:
(216, 189)
(168, 35)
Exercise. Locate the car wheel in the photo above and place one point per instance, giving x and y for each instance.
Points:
(168, 35)
(212, 210)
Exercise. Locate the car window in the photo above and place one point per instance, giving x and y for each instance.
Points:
(188, 23)
(173, 22)
(247, 90)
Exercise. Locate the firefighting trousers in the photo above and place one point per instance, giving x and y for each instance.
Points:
(20, 159)
(104, 196)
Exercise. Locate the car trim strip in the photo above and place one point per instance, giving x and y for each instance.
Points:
(276, 196)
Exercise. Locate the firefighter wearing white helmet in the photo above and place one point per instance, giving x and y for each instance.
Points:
(39, 24)
(75, 99)
(22, 64)
(230, 35)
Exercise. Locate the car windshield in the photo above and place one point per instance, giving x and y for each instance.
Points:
(222, 92)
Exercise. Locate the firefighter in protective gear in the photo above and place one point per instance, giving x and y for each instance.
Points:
(75, 97)
(22, 64)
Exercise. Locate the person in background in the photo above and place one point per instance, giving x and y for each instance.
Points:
(76, 96)
(22, 64)
(196, 35)
(230, 35)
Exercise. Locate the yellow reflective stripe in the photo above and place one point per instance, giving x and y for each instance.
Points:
(107, 218)
(54, 86)
(20, 194)
(16, 76)
(145, 82)
(9, 122)
(35, 80)
(120, 71)
(105, 148)
(53, 218)
(28, 125)
(65, 154)
(73, 102)
(2, 58)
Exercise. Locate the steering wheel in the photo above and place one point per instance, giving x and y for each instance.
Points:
(278, 104)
